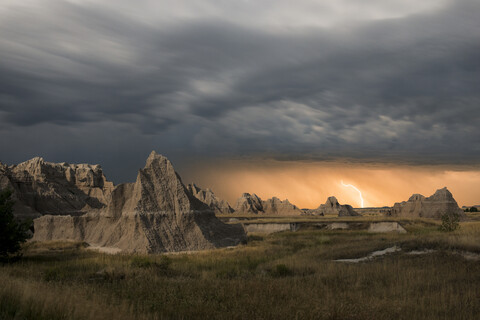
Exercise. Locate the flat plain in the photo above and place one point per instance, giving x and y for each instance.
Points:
(284, 275)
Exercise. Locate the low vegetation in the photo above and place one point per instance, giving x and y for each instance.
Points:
(450, 222)
(12, 232)
(287, 275)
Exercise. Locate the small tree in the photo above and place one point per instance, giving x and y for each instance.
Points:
(12, 233)
(473, 209)
(450, 222)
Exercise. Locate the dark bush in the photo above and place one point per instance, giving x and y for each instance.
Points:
(12, 233)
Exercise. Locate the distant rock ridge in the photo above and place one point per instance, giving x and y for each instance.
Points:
(157, 213)
(438, 204)
(253, 204)
(41, 187)
(218, 205)
(249, 204)
(333, 207)
(277, 206)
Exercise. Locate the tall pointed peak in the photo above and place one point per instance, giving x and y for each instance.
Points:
(154, 157)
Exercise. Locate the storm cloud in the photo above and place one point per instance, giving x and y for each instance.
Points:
(108, 81)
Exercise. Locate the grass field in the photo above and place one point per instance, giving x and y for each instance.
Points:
(287, 275)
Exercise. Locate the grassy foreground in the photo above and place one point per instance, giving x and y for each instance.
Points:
(280, 276)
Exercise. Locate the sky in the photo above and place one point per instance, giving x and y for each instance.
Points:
(313, 90)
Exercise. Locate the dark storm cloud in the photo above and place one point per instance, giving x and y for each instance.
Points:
(109, 80)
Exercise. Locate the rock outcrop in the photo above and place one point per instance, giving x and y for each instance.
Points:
(41, 187)
(157, 213)
(438, 204)
(332, 207)
(249, 204)
(253, 204)
(275, 206)
(218, 206)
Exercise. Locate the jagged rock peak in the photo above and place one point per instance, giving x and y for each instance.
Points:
(249, 204)
(248, 195)
(194, 188)
(207, 196)
(41, 187)
(253, 204)
(155, 157)
(155, 214)
(159, 188)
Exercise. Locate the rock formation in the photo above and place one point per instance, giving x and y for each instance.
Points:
(41, 187)
(252, 204)
(218, 206)
(275, 206)
(438, 204)
(248, 204)
(155, 214)
(333, 207)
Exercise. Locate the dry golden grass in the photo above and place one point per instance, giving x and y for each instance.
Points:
(253, 218)
(280, 276)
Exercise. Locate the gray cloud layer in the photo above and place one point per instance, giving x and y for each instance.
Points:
(109, 81)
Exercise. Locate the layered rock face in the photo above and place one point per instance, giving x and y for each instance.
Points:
(332, 207)
(218, 206)
(41, 187)
(155, 214)
(438, 204)
(252, 204)
(277, 206)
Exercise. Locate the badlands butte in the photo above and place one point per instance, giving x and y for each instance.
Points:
(157, 213)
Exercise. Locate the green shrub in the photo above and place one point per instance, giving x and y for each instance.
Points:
(450, 222)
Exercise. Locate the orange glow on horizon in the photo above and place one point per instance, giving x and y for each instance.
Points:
(308, 184)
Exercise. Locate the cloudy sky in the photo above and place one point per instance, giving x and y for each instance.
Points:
(393, 83)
